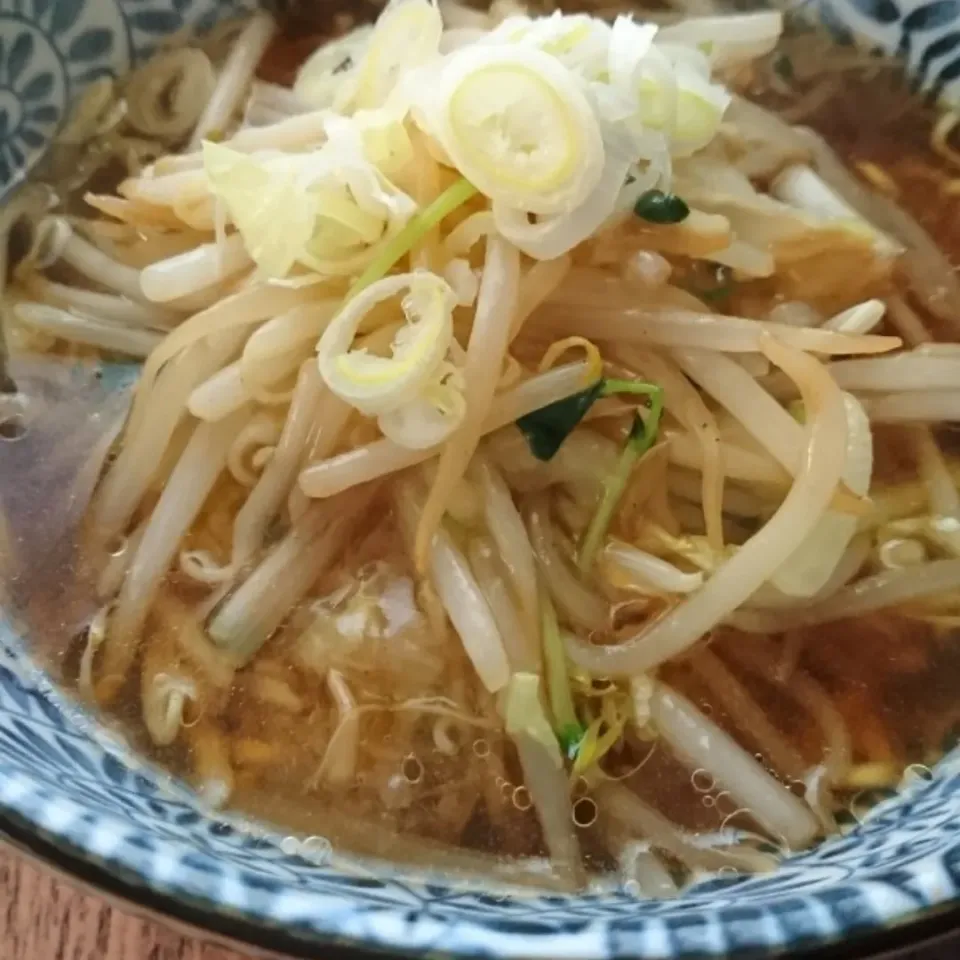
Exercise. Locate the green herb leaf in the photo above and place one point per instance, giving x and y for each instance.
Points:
(547, 428)
(659, 207)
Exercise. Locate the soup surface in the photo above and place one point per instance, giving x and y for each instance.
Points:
(542, 463)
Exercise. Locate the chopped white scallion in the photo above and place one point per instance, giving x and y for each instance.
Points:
(328, 76)
(416, 393)
(516, 123)
(405, 36)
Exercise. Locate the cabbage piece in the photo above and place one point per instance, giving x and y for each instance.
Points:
(265, 202)
(765, 229)
(802, 188)
(329, 210)
(369, 210)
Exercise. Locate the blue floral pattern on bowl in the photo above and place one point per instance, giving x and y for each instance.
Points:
(77, 788)
(51, 49)
(925, 34)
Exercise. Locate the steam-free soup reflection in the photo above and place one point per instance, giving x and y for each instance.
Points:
(541, 461)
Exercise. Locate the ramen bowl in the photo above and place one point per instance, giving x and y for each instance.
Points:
(72, 793)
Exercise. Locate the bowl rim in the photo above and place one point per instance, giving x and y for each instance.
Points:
(36, 817)
(928, 927)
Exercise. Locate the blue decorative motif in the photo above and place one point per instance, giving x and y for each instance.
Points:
(77, 787)
(51, 49)
(925, 34)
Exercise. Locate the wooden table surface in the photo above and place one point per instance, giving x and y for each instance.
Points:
(43, 918)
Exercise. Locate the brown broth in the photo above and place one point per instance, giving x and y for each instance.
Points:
(875, 121)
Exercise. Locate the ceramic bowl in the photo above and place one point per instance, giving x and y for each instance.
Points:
(72, 792)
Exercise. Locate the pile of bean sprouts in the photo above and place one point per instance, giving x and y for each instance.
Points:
(334, 558)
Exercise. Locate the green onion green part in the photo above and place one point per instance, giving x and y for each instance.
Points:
(417, 227)
(643, 434)
(566, 723)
